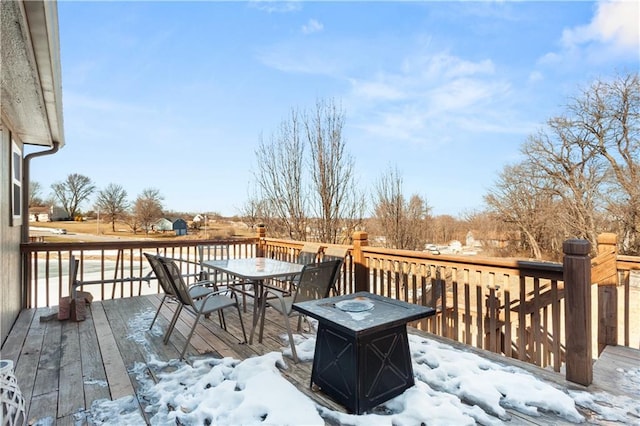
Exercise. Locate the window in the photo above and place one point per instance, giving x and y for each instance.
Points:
(16, 184)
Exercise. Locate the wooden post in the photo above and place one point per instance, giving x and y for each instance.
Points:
(262, 233)
(361, 271)
(608, 293)
(577, 287)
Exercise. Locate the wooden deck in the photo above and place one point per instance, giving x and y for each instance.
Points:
(613, 371)
(62, 367)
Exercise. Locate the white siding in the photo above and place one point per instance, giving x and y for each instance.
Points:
(10, 271)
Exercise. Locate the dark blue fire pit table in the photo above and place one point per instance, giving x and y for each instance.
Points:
(362, 356)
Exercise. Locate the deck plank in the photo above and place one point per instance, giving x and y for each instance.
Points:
(130, 351)
(611, 371)
(26, 366)
(71, 391)
(94, 377)
(115, 369)
(48, 362)
(15, 341)
(44, 406)
(153, 342)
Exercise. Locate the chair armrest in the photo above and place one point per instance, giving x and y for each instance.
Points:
(177, 259)
(277, 294)
(204, 284)
(217, 292)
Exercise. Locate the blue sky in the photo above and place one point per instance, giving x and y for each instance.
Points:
(176, 95)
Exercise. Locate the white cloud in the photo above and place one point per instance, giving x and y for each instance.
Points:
(428, 96)
(376, 90)
(312, 26)
(550, 59)
(535, 76)
(615, 23)
(276, 6)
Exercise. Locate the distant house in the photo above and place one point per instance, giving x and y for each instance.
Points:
(39, 214)
(177, 225)
(163, 225)
(198, 218)
(180, 226)
(46, 214)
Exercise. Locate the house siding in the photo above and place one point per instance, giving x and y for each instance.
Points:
(10, 269)
(30, 114)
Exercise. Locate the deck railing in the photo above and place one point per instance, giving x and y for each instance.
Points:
(513, 307)
(110, 269)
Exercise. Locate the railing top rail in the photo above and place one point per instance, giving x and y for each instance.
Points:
(286, 243)
(628, 262)
(129, 244)
(299, 244)
(479, 261)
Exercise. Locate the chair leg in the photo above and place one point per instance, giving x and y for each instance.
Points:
(244, 334)
(172, 324)
(291, 342)
(223, 323)
(158, 311)
(193, 328)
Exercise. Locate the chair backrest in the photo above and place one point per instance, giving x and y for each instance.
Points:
(308, 253)
(316, 280)
(175, 278)
(161, 273)
(334, 253)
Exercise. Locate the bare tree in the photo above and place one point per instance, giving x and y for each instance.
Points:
(280, 177)
(72, 192)
(112, 203)
(402, 223)
(253, 212)
(305, 177)
(572, 171)
(445, 228)
(524, 204)
(147, 209)
(581, 172)
(132, 221)
(35, 194)
(608, 112)
(336, 203)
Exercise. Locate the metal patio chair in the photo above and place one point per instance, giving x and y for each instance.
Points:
(335, 253)
(315, 283)
(221, 252)
(215, 301)
(308, 254)
(196, 291)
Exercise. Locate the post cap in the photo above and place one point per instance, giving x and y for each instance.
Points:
(576, 247)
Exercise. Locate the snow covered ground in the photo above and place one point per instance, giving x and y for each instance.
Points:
(453, 387)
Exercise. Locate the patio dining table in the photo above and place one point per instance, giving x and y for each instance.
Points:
(255, 271)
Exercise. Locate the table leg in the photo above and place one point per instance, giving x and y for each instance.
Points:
(257, 307)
